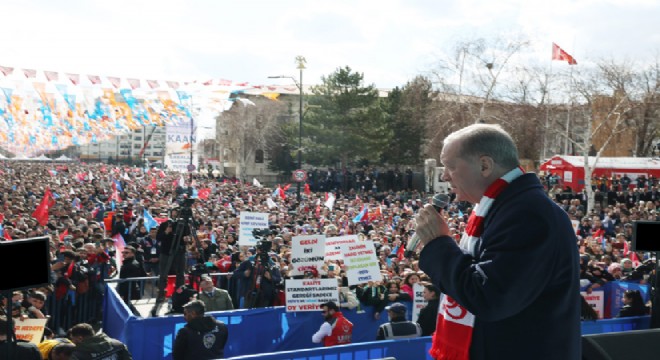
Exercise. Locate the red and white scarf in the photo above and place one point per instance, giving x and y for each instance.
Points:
(453, 333)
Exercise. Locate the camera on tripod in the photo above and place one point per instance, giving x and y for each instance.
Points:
(264, 246)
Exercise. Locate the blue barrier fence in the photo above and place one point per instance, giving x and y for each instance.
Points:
(273, 330)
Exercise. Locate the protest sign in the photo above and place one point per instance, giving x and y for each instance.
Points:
(307, 252)
(361, 262)
(418, 300)
(309, 294)
(33, 329)
(248, 222)
(596, 300)
(333, 246)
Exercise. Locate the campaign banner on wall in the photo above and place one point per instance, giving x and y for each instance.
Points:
(309, 294)
(361, 262)
(32, 330)
(418, 300)
(249, 221)
(333, 246)
(307, 252)
(180, 144)
(596, 300)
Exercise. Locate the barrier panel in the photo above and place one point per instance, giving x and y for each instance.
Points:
(398, 349)
(273, 330)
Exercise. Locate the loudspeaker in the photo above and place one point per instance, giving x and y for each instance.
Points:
(626, 345)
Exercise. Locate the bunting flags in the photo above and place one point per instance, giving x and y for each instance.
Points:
(561, 55)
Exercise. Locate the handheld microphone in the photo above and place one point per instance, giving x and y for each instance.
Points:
(440, 202)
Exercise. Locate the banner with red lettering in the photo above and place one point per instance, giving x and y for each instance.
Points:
(596, 300)
(309, 294)
(333, 246)
(32, 330)
(307, 254)
(361, 262)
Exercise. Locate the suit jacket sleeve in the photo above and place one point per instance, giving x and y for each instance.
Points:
(526, 236)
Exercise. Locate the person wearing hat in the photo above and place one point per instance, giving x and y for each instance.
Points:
(203, 337)
(336, 329)
(213, 298)
(398, 327)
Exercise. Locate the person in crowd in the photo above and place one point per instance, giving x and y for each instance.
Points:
(509, 236)
(151, 250)
(130, 268)
(37, 300)
(56, 349)
(398, 327)
(409, 282)
(336, 329)
(202, 338)
(96, 346)
(347, 298)
(373, 295)
(633, 304)
(172, 254)
(429, 313)
(213, 298)
(21, 350)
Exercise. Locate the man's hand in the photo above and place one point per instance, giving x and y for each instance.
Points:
(430, 224)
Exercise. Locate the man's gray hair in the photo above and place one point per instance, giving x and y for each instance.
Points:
(486, 139)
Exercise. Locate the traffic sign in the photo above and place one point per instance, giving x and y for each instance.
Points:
(191, 167)
(299, 175)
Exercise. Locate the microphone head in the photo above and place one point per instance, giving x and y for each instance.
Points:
(440, 202)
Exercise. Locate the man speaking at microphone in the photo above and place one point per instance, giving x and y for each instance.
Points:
(510, 288)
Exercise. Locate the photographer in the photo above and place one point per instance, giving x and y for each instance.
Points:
(259, 276)
(171, 254)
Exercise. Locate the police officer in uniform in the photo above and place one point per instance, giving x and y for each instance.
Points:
(202, 338)
(398, 327)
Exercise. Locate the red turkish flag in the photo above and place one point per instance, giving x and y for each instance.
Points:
(561, 55)
(41, 212)
(203, 193)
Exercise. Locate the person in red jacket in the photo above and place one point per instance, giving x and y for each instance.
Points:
(336, 329)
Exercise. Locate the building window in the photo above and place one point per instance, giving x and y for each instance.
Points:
(259, 157)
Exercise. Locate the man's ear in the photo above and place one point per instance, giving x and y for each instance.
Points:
(487, 165)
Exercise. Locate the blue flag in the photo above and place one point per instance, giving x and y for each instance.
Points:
(359, 216)
(118, 184)
(149, 221)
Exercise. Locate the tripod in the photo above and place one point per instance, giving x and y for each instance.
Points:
(185, 221)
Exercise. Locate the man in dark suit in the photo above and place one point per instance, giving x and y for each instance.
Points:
(130, 268)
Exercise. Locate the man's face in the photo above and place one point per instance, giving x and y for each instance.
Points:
(327, 313)
(206, 285)
(38, 303)
(464, 176)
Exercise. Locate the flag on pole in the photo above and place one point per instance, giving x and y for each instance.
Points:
(330, 203)
(361, 214)
(149, 221)
(256, 182)
(41, 212)
(561, 55)
(307, 191)
(120, 244)
(271, 204)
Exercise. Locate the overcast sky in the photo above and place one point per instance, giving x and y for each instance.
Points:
(390, 41)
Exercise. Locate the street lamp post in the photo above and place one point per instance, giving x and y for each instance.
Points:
(300, 60)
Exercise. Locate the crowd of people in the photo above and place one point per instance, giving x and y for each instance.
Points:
(93, 205)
